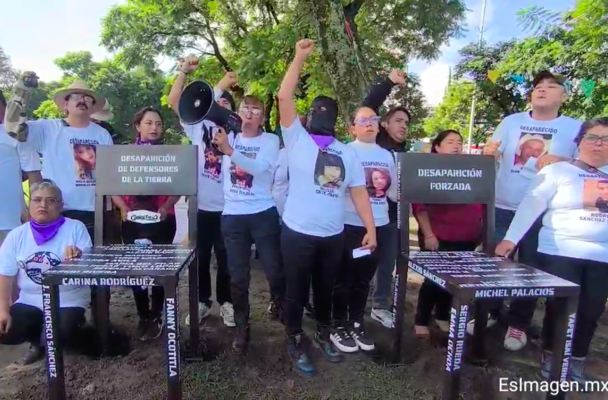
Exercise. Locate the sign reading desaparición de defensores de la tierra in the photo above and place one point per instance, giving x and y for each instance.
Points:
(449, 173)
(148, 168)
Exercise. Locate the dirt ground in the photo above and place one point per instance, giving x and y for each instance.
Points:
(266, 373)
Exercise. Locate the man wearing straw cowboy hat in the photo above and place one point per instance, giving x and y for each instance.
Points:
(69, 148)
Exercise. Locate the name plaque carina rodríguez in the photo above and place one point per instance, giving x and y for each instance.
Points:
(147, 170)
(447, 178)
(486, 276)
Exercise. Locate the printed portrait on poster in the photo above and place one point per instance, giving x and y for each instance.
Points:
(595, 195)
(531, 145)
(329, 170)
(377, 181)
(213, 161)
(84, 160)
(240, 178)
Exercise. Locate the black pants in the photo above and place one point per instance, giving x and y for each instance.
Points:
(27, 325)
(162, 232)
(309, 258)
(240, 231)
(592, 276)
(209, 225)
(352, 283)
(432, 296)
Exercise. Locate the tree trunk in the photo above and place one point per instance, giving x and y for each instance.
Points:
(339, 58)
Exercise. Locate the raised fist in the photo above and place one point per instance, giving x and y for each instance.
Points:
(188, 64)
(304, 47)
(230, 78)
(397, 77)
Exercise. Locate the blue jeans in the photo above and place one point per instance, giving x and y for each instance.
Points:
(383, 282)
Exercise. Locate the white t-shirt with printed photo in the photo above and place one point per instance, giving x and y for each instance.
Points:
(249, 174)
(15, 157)
(380, 181)
(210, 189)
(69, 158)
(523, 141)
(19, 247)
(576, 220)
(318, 181)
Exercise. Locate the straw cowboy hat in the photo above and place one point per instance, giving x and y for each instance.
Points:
(105, 114)
(79, 86)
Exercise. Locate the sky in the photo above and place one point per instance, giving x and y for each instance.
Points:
(56, 27)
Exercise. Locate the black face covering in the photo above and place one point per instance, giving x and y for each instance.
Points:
(228, 96)
(322, 116)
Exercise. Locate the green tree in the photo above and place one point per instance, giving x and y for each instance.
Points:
(356, 39)
(127, 90)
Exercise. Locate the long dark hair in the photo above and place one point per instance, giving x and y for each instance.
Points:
(441, 137)
(601, 121)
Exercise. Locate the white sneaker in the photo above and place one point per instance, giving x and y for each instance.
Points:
(385, 317)
(515, 339)
(227, 313)
(471, 324)
(203, 312)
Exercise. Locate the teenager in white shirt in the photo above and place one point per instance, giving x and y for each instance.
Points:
(69, 148)
(210, 198)
(573, 240)
(250, 214)
(321, 169)
(525, 143)
(28, 251)
(15, 158)
(351, 287)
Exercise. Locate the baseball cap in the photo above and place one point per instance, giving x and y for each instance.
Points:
(544, 75)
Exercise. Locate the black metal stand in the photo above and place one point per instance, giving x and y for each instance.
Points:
(54, 353)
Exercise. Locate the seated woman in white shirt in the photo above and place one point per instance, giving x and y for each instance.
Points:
(28, 251)
(573, 241)
(352, 284)
(321, 169)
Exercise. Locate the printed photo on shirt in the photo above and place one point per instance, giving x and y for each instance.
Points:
(595, 195)
(240, 178)
(84, 161)
(329, 170)
(377, 181)
(38, 263)
(531, 145)
(213, 162)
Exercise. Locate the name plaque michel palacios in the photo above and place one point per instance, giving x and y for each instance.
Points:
(147, 170)
(447, 178)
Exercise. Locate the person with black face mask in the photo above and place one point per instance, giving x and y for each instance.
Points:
(321, 169)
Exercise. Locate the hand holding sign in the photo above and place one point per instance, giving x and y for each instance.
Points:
(505, 248)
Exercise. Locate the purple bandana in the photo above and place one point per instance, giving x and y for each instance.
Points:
(44, 232)
(323, 141)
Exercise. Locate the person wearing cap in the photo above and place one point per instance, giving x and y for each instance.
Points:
(392, 135)
(69, 148)
(510, 144)
(210, 199)
(321, 170)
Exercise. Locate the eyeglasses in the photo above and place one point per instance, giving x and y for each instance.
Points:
(593, 139)
(365, 121)
(51, 201)
(256, 112)
(80, 96)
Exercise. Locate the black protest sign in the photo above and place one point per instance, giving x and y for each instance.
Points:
(447, 178)
(146, 170)
(123, 265)
(486, 276)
